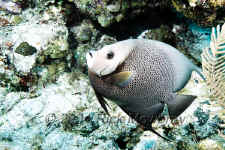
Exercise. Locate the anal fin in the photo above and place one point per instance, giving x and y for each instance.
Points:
(147, 116)
(102, 102)
(152, 113)
(179, 104)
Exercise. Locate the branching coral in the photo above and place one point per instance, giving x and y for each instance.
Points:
(213, 64)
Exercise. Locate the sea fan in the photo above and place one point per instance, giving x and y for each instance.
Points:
(213, 64)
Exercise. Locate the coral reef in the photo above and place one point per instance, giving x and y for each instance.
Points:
(203, 12)
(10, 6)
(34, 47)
(25, 49)
(46, 101)
(87, 38)
(107, 12)
(213, 63)
(65, 115)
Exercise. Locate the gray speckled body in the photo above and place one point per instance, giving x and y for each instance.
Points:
(152, 79)
(158, 71)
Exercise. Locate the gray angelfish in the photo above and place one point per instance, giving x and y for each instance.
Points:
(141, 76)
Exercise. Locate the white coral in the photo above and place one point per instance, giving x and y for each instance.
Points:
(213, 64)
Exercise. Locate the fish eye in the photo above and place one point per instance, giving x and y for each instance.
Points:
(110, 55)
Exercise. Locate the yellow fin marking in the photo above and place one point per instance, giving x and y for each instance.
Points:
(121, 78)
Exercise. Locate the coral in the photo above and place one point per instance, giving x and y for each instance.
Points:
(213, 64)
(25, 49)
(209, 145)
(86, 38)
(47, 103)
(217, 2)
(3, 22)
(107, 12)
(163, 33)
(10, 6)
(17, 20)
(203, 12)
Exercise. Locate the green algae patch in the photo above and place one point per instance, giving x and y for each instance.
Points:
(25, 49)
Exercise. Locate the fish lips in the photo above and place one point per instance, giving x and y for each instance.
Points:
(90, 62)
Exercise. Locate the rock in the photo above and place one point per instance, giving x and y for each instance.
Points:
(108, 12)
(55, 138)
(194, 41)
(10, 6)
(55, 50)
(85, 32)
(48, 40)
(146, 144)
(105, 20)
(23, 63)
(47, 103)
(17, 20)
(163, 33)
(4, 22)
(8, 78)
(80, 55)
(204, 13)
(107, 145)
(9, 100)
(37, 4)
(83, 123)
(87, 38)
(209, 145)
(63, 116)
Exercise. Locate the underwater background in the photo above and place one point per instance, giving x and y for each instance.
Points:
(47, 102)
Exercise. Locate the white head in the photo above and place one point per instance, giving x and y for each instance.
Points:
(107, 59)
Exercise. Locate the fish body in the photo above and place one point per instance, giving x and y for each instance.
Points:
(148, 76)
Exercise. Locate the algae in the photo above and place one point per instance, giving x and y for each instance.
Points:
(25, 49)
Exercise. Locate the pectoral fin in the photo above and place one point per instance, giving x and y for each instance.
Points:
(102, 102)
(121, 79)
(179, 104)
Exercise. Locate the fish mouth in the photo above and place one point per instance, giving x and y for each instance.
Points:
(90, 63)
(101, 72)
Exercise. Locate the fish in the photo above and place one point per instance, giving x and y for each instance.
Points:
(142, 77)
